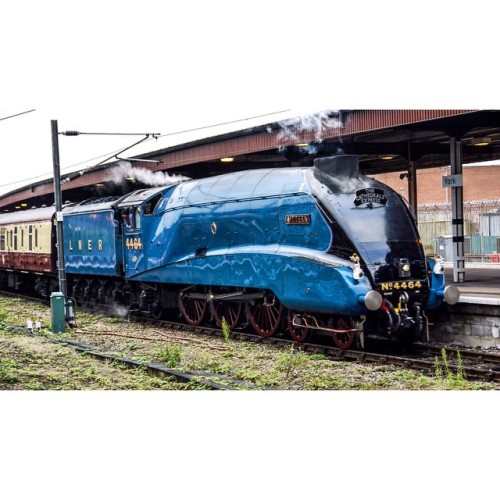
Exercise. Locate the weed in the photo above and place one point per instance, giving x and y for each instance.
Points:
(438, 371)
(6, 375)
(7, 363)
(423, 382)
(170, 355)
(249, 375)
(226, 332)
(9, 378)
(224, 369)
(318, 357)
(460, 368)
(3, 315)
(444, 374)
(258, 376)
(291, 361)
(320, 381)
(383, 368)
(33, 386)
(403, 375)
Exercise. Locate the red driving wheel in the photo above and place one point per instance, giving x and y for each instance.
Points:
(193, 310)
(297, 333)
(344, 340)
(230, 311)
(265, 318)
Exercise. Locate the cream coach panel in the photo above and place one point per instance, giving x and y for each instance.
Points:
(44, 231)
(26, 238)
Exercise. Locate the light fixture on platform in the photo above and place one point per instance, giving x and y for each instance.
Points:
(227, 159)
(481, 141)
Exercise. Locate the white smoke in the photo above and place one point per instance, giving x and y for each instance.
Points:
(120, 310)
(126, 170)
(317, 123)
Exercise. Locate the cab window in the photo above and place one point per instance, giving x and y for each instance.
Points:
(127, 218)
(150, 205)
(131, 218)
(137, 217)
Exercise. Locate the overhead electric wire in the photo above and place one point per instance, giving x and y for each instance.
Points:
(113, 153)
(224, 123)
(18, 114)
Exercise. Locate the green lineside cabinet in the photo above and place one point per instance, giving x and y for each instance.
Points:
(58, 312)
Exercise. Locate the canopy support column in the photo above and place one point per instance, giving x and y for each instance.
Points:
(457, 212)
(412, 188)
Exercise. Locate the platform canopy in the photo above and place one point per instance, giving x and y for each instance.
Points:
(385, 140)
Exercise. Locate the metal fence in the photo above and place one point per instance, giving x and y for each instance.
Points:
(481, 230)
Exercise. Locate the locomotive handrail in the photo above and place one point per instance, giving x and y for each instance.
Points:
(235, 200)
(210, 297)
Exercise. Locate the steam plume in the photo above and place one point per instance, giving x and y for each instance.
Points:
(125, 169)
(316, 123)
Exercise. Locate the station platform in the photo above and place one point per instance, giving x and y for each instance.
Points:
(481, 284)
(475, 320)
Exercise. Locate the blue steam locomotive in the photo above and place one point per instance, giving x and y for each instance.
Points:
(310, 249)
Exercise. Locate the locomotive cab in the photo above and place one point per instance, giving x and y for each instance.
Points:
(136, 211)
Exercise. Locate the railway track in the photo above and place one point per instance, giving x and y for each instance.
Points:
(428, 358)
(206, 380)
(474, 365)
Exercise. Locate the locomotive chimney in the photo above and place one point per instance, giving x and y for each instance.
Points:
(338, 166)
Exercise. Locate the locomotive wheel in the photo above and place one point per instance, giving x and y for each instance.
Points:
(230, 311)
(344, 340)
(193, 310)
(265, 318)
(297, 333)
(157, 313)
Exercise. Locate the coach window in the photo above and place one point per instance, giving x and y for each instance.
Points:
(2, 239)
(30, 238)
(36, 237)
(15, 238)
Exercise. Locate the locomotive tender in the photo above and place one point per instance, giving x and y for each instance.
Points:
(320, 248)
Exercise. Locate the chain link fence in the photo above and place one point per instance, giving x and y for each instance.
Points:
(481, 230)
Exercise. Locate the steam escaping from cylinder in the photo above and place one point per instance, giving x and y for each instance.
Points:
(125, 170)
(317, 123)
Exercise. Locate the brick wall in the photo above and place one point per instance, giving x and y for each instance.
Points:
(480, 183)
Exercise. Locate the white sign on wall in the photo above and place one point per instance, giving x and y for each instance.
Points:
(452, 181)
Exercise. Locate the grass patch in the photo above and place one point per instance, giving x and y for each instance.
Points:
(446, 377)
(171, 355)
(36, 363)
